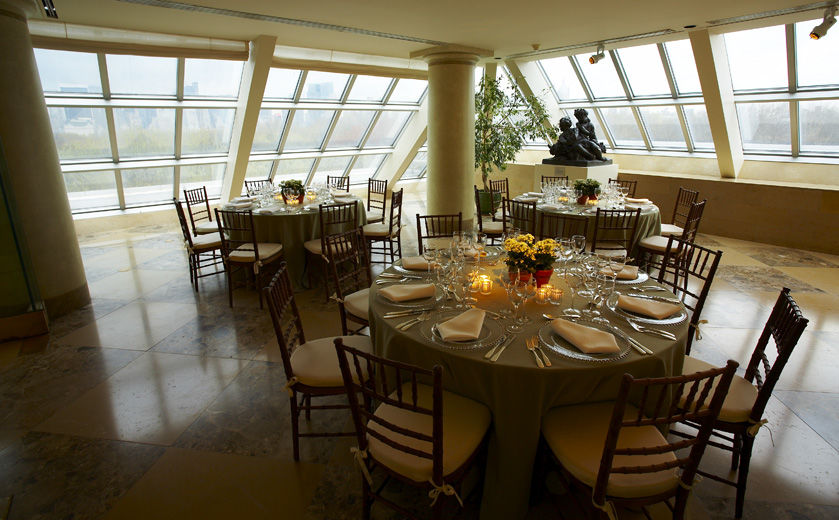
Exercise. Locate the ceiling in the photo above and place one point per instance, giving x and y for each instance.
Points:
(505, 27)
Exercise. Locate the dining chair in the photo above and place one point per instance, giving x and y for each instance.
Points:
(376, 200)
(241, 251)
(684, 201)
(254, 187)
(519, 215)
(430, 227)
(386, 239)
(501, 186)
(629, 185)
(656, 245)
(338, 182)
(311, 367)
(689, 271)
(400, 428)
(203, 250)
(741, 416)
(551, 180)
(553, 225)
(198, 207)
(491, 228)
(349, 267)
(332, 218)
(616, 453)
(614, 230)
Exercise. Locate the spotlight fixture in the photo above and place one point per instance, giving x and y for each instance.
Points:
(821, 29)
(594, 58)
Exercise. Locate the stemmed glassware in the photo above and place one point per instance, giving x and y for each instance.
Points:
(507, 279)
(523, 289)
(429, 254)
(578, 242)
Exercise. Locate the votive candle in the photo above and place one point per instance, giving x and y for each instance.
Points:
(543, 294)
(485, 284)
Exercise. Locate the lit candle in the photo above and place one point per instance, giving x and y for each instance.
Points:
(592, 202)
(485, 284)
(543, 294)
(555, 296)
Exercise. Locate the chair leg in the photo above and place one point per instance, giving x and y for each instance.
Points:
(437, 513)
(743, 474)
(230, 286)
(308, 407)
(295, 432)
(366, 499)
(736, 449)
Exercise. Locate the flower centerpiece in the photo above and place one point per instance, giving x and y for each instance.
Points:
(292, 190)
(524, 252)
(589, 188)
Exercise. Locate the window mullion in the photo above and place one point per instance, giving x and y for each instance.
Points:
(680, 112)
(390, 91)
(272, 173)
(120, 191)
(605, 127)
(330, 130)
(581, 79)
(621, 74)
(350, 164)
(176, 185)
(299, 91)
(312, 171)
(643, 128)
(286, 128)
(668, 70)
(369, 130)
(792, 66)
(795, 128)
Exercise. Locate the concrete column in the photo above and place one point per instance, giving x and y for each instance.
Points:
(37, 186)
(715, 77)
(251, 90)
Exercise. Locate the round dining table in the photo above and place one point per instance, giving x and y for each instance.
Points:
(514, 388)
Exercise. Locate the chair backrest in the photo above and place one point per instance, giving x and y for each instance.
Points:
(339, 182)
(549, 180)
(688, 270)
(376, 195)
(254, 187)
(236, 229)
(284, 315)
(692, 223)
(553, 225)
(348, 262)
(437, 226)
(684, 201)
(785, 326)
(661, 402)
(478, 208)
(616, 226)
(397, 385)
(179, 209)
(500, 186)
(336, 218)
(395, 211)
(629, 185)
(197, 205)
(519, 215)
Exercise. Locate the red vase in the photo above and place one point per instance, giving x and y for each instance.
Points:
(291, 197)
(582, 200)
(542, 276)
(524, 277)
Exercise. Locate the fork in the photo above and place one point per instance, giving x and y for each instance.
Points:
(648, 330)
(405, 325)
(531, 346)
(544, 356)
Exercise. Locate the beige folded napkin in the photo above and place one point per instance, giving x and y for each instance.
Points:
(241, 199)
(550, 206)
(239, 205)
(465, 327)
(652, 308)
(633, 200)
(471, 253)
(527, 199)
(587, 339)
(343, 196)
(533, 194)
(415, 263)
(629, 272)
(403, 293)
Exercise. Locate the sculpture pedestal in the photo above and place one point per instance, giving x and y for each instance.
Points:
(600, 173)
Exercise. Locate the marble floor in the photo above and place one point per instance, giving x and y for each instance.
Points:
(156, 402)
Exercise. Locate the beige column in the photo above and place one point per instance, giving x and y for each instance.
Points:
(714, 76)
(251, 90)
(37, 186)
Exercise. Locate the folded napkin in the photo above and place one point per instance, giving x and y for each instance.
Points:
(550, 206)
(587, 339)
(527, 199)
(633, 200)
(471, 253)
(534, 194)
(342, 196)
(415, 263)
(629, 272)
(652, 308)
(238, 205)
(465, 327)
(241, 199)
(403, 293)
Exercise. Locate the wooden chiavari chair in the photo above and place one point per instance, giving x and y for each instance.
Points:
(431, 227)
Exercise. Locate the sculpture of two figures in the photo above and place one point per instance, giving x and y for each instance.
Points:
(577, 145)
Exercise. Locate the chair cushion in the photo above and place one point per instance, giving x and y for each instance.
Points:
(267, 251)
(207, 226)
(465, 422)
(671, 229)
(741, 394)
(314, 246)
(376, 230)
(577, 435)
(490, 226)
(315, 362)
(358, 303)
(611, 248)
(206, 242)
(375, 215)
(655, 243)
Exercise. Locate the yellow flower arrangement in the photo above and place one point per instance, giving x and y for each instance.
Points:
(525, 252)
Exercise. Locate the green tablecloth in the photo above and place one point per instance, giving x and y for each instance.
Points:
(516, 391)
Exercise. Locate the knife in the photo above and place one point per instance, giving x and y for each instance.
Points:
(495, 356)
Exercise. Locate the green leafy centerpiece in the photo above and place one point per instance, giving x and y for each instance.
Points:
(589, 188)
(292, 190)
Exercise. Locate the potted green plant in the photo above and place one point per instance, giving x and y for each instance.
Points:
(589, 188)
(504, 119)
(292, 190)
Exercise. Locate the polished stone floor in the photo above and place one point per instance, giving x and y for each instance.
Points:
(156, 402)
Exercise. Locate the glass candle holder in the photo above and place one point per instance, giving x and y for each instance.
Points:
(555, 296)
(485, 283)
(543, 294)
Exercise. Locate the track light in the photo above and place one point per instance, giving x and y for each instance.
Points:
(821, 29)
(594, 58)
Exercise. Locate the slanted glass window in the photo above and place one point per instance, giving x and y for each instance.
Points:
(758, 58)
(644, 70)
(819, 126)
(145, 186)
(68, 72)
(601, 77)
(365, 167)
(663, 127)
(269, 129)
(142, 75)
(408, 91)
(308, 129)
(293, 169)
(700, 130)
(91, 190)
(764, 127)
(145, 132)
(258, 170)
(350, 129)
(208, 175)
(621, 122)
(680, 56)
(816, 59)
(369, 88)
(80, 133)
(598, 130)
(388, 128)
(334, 166)
(324, 86)
(563, 79)
(417, 167)
(212, 78)
(282, 84)
(206, 131)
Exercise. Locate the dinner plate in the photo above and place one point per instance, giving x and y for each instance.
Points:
(641, 278)
(397, 266)
(560, 346)
(491, 332)
(421, 302)
(612, 304)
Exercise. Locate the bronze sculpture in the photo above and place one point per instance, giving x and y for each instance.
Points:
(577, 146)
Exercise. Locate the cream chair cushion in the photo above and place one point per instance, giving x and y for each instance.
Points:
(206, 242)
(465, 422)
(205, 227)
(314, 246)
(655, 243)
(376, 230)
(315, 362)
(607, 248)
(375, 215)
(358, 303)
(267, 251)
(577, 435)
(741, 394)
(671, 229)
(490, 226)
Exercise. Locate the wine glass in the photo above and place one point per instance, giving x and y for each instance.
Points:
(429, 254)
(579, 244)
(507, 279)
